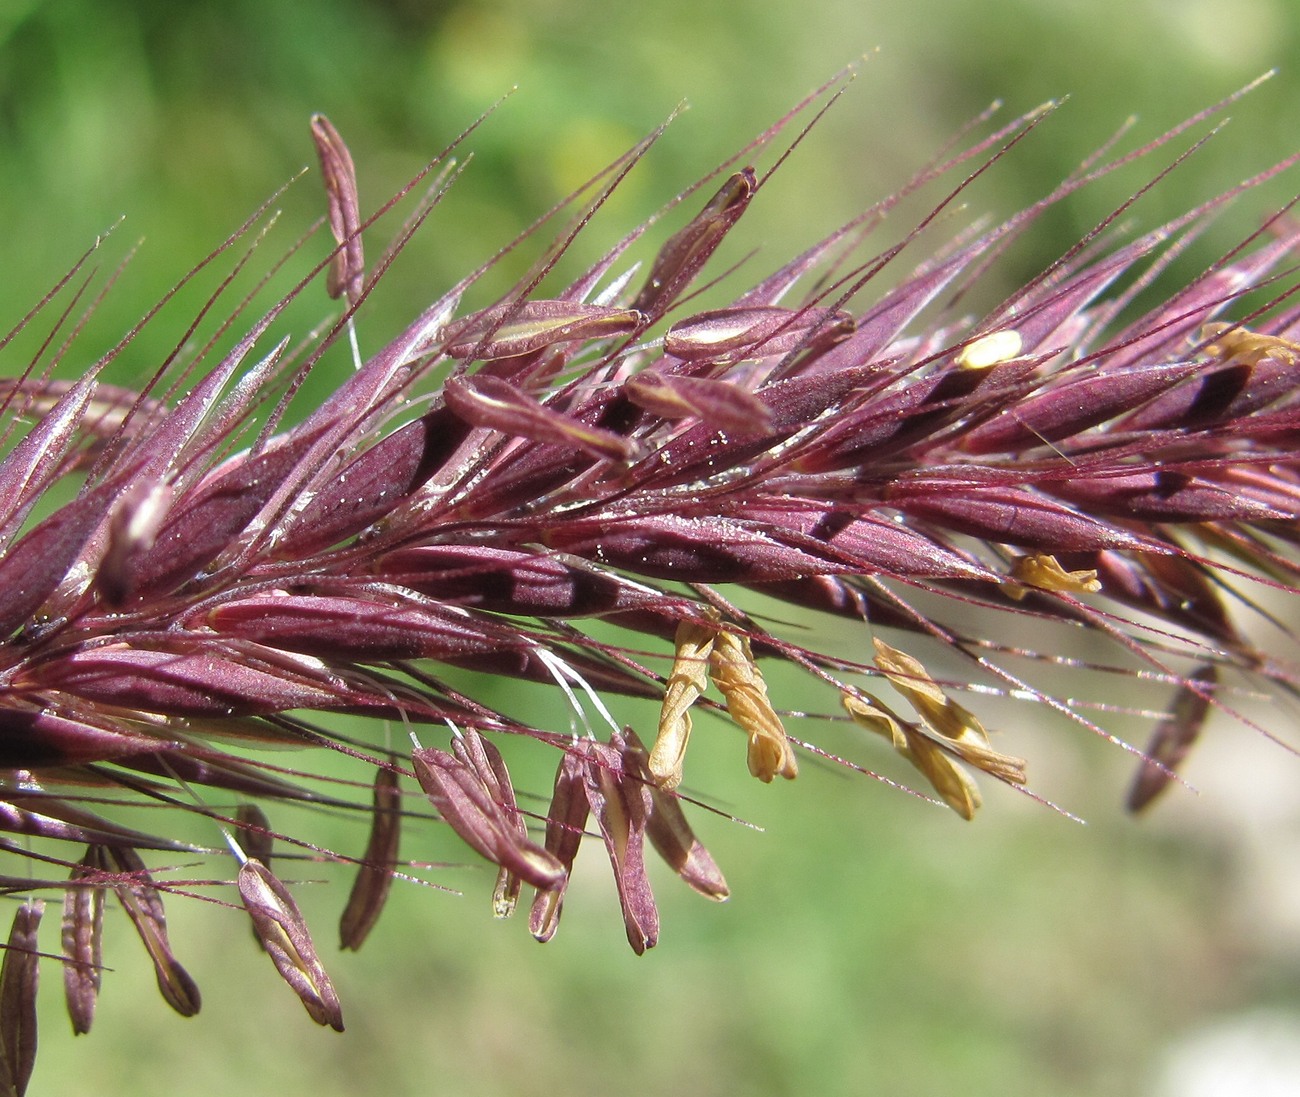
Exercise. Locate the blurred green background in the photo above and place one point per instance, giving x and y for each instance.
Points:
(874, 943)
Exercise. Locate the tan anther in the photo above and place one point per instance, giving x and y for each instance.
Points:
(948, 731)
(1043, 572)
(990, 350)
(734, 672)
(1230, 343)
(686, 681)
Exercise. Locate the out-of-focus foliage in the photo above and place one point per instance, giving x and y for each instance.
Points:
(184, 116)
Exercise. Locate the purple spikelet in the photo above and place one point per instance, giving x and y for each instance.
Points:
(582, 485)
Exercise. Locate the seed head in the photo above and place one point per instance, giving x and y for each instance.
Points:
(582, 485)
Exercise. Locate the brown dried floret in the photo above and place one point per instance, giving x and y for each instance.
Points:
(82, 938)
(282, 930)
(19, 978)
(374, 876)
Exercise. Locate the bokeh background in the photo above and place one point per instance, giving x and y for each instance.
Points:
(874, 943)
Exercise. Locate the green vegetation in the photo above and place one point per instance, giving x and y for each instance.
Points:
(874, 942)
